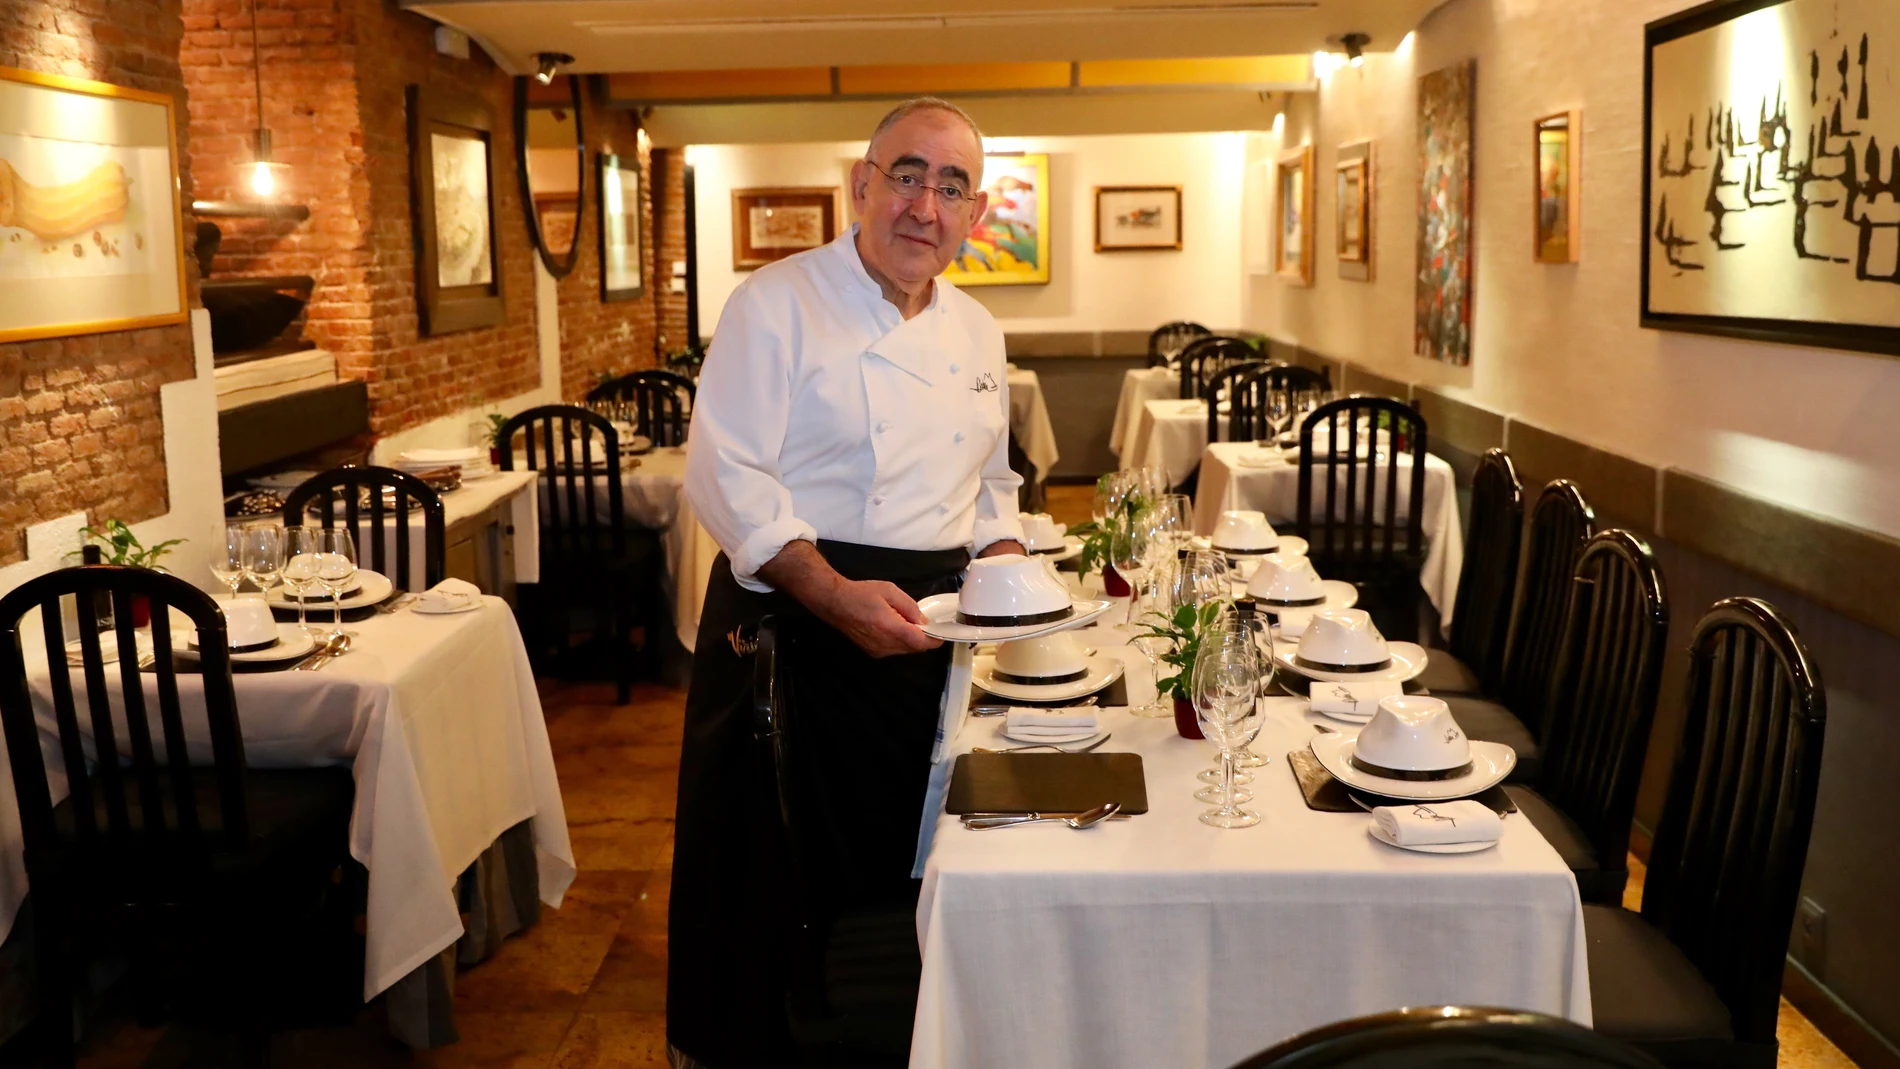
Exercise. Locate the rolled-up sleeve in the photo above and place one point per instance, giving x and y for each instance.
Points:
(996, 519)
(733, 479)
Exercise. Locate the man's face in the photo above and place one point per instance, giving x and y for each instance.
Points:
(912, 241)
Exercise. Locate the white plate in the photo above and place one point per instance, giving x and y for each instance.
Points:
(1053, 740)
(1339, 595)
(1490, 763)
(108, 648)
(1408, 660)
(1378, 833)
(1071, 547)
(1102, 672)
(1344, 718)
(1292, 544)
(469, 606)
(292, 643)
(940, 610)
(372, 588)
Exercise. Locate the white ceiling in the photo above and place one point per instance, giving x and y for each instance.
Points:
(654, 35)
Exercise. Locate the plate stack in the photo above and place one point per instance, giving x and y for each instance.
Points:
(464, 464)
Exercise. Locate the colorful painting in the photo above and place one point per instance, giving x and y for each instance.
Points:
(1293, 217)
(1441, 325)
(1772, 174)
(1137, 218)
(1559, 187)
(1009, 246)
(771, 224)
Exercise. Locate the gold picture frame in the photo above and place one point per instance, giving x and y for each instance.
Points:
(771, 224)
(1137, 218)
(1293, 216)
(1557, 193)
(1353, 182)
(89, 193)
(1009, 246)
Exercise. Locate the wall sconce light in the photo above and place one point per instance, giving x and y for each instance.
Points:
(546, 63)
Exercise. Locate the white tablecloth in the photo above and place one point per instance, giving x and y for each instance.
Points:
(438, 718)
(1139, 386)
(473, 499)
(1159, 941)
(1029, 419)
(1170, 433)
(1226, 483)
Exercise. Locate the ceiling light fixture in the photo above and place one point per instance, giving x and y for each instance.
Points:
(546, 63)
(264, 171)
(1355, 47)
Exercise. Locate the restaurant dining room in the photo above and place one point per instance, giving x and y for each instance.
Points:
(1055, 534)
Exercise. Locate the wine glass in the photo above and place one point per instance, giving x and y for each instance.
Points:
(1152, 594)
(227, 555)
(1279, 413)
(335, 561)
(1175, 514)
(1252, 627)
(1227, 704)
(302, 544)
(261, 555)
(1131, 550)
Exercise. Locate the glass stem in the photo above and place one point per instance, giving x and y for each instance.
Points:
(303, 622)
(1227, 782)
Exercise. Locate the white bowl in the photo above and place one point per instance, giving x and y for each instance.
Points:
(1042, 661)
(1343, 640)
(1008, 590)
(1041, 533)
(1288, 581)
(1244, 531)
(248, 623)
(1412, 733)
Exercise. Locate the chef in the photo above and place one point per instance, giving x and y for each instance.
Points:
(849, 455)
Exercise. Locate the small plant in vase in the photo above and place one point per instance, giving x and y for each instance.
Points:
(1096, 539)
(1183, 632)
(116, 544)
(496, 424)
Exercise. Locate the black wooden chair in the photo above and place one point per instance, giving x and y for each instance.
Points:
(1561, 522)
(1351, 489)
(662, 403)
(1206, 357)
(1451, 1037)
(1695, 979)
(213, 878)
(392, 496)
(597, 573)
(1602, 701)
(1032, 494)
(1481, 617)
(1166, 341)
(1267, 382)
(851, 973)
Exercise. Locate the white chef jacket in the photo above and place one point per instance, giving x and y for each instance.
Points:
(823, 413)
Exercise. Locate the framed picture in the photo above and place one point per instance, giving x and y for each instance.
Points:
(1137, 218)
(91, 229)
(1441, 321)
(1009, 246)
(1293, 216)
(452, 178)
(1352, 224)
(1768, 180)
(622, 258)
(1559, 170)
(771, 224)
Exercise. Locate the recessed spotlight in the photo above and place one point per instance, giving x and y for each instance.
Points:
(546, 63)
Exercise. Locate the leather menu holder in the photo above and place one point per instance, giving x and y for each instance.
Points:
(1046, 783)
(1328, 795)
(1115, 693)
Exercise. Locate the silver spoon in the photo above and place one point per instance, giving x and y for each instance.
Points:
(1046, 746)
(1086, 819)
(1003, 710)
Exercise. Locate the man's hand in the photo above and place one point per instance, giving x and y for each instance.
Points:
(880, 618)
(1007, 545)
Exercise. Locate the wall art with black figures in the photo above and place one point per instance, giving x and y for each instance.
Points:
(1772, 189)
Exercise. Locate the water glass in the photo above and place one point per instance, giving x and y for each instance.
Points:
(335, 561)
(261, 555)
(301, 546)
(1227, 702)
(1131, 550)
(227, 555)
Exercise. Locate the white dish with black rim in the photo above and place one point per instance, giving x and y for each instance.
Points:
(940, 616)
(1490, 763)
(292, 643)
(1291, 545)
(1339, 595)
(371, 589)
(1405, 660)
(1097, 675)
(1071, 548)
(1378, 833)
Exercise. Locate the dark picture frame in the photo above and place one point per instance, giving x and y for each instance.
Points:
(1106, 200)
(1557, 188)
(1669, 243)
(443, 304)
(532, 205)
(748, 254)
(613, 227)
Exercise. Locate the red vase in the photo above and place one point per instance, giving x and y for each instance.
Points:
(494, 455)
(141, 610)
(1112, 582)
(1185, 721)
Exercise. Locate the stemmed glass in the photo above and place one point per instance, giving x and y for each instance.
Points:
(1279, 414)
(1227, 703)
(227, 555)
(1151, 594)
(1174, 521)
(1254, 629)
(335, 567)
(300, 567)
(261, 556)
(1131, 549)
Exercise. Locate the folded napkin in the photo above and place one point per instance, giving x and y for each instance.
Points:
(1260, 458)
(1035, 722)
(1292, 622)
(444, 456)
(448, 595)
(1359, 697)
(1434, 823)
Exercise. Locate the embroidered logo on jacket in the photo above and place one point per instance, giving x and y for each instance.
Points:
(985, 384)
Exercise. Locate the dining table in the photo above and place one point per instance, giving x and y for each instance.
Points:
(508, 492)
(1139, 386)
(1169, 434)
(1157, 940)
(1029, 420)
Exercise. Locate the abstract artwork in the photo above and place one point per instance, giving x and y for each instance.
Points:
(1009, 246)
(1559, 194)
(1135, 218)
(621, 254)
(1352, 195)
(1441, 320)
(1293, 216)
(91, 230)
(452, 178)
(771, 224)
(1772, 180)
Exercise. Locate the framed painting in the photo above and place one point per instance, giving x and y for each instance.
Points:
(1137, 218)
(1441, 321)
(452, 178)
(1559, 171)
(622, 256)
(1009, 246)
(1352, 223)
(1293, 216)
(91, 228)
(1769, 178)
(771, 224)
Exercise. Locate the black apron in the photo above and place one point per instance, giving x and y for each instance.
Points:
(867, 725)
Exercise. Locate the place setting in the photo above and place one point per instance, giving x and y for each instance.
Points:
(1007, 597)
(1245, 536)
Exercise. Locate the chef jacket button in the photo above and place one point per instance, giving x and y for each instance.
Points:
(954, 368)
(959, 436)
(943, 508)
(882, 427)
(878, 500)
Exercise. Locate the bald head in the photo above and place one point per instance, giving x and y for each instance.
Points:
(927, 104)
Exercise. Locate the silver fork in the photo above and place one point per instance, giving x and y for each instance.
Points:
(1003, 710)
(1047, 746)
(394, 604)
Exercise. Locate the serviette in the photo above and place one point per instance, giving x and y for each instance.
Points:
(448, 595)
(1436, 823)
(1034, 722)
(1359, 697)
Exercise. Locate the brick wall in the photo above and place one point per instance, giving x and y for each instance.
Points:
(672, 306)
(598, 338)
(79, 417)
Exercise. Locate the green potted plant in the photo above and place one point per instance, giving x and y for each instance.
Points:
(118, 545)
(1096, 541)
(496, 423)
(1183, 631)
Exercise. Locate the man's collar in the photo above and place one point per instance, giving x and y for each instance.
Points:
(846, 246)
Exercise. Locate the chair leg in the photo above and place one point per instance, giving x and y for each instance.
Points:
(257, 1049)
(55, 1021)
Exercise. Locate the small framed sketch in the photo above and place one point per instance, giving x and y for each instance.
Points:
(1559, 188)
(621, 211)
(771, 224)
(452, 178)
(1352, 194)
(1293, 216)
(1137, 218)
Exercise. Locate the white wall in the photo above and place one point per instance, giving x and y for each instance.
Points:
(1087, 290)
(1559, 345)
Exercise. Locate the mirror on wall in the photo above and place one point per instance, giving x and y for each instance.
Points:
(551, 148)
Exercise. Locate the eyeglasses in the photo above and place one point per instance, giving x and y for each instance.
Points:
(911, 187)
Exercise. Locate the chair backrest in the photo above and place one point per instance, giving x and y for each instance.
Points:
(662, 403)
(1206, 357)
(1249, 419)
(1166, 341)
(373, 539)
(577, 452)
(1603, 693)
(1451, 1037)
(1350, 488)
(1226, 384)
(1725, 868)
(1481, 618)
(1561, 522)
(134, 801)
